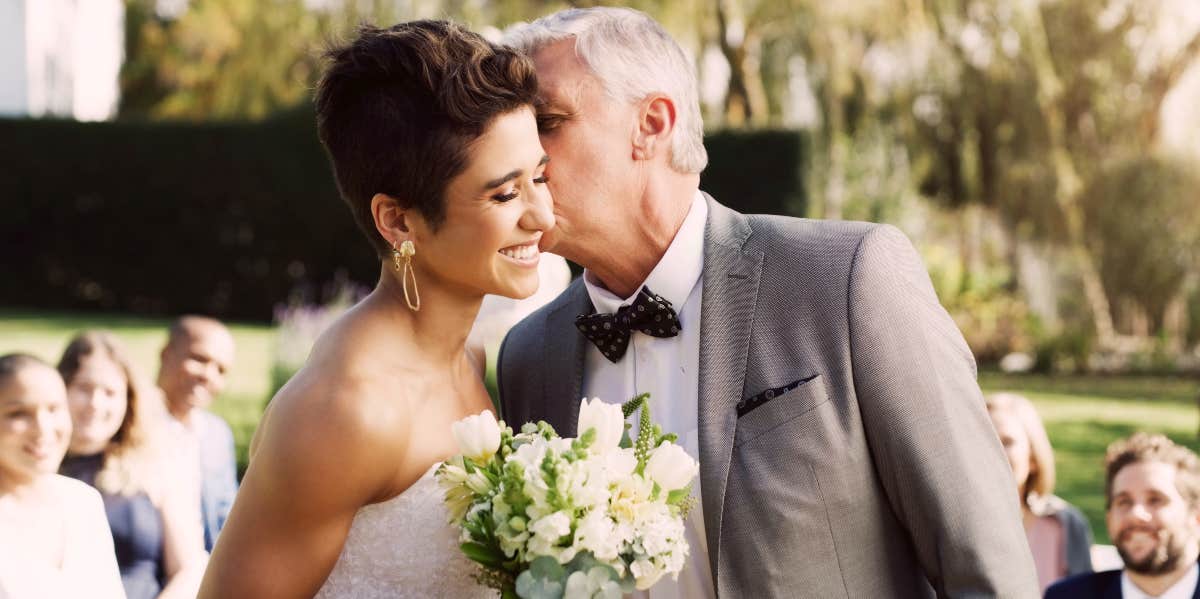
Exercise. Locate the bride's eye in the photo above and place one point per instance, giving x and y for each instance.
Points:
(542, 179)
(504, 197)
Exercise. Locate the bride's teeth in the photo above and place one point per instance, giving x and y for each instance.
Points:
(525, 252)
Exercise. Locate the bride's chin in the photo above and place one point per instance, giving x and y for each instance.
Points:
(519, 289)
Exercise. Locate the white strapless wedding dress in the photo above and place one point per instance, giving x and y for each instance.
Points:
(403, 547)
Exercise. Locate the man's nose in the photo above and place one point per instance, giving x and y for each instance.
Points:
(1140, 512)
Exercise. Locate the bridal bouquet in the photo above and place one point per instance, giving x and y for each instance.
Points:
(548, 517)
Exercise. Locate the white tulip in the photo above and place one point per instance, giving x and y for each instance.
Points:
(478, 436)
(606, 419)
(671, 467)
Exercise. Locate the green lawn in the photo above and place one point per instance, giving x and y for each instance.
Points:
(1083, 414)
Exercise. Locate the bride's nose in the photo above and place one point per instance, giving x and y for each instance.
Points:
(539, 211)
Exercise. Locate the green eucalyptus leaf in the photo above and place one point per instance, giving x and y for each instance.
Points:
(483, 554)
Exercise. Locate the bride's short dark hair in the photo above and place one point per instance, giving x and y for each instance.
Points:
(397, 109)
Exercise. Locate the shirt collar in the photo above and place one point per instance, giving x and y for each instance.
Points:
(1184, 588)
(675, 274)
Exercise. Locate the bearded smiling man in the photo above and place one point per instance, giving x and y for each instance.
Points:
(1152, 492)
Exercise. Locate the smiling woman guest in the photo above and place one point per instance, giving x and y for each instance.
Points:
(1059, 535)
(434, 144)
(54, 541)
(152, 508)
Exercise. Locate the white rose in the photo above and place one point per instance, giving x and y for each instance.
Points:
(478, 436)
(552, 527)
(671, 467)
(606, 419)
(620, 463)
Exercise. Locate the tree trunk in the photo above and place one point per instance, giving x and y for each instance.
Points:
(1068, 184)
(745, 102)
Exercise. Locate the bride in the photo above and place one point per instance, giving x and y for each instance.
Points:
(434, 144)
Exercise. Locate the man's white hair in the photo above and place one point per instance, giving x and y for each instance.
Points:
(632, 56)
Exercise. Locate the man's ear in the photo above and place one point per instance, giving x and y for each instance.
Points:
(656, 124)
(391, 219)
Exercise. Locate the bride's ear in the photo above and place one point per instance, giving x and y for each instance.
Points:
(391, 219)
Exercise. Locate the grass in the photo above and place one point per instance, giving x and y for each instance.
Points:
(1083, 414)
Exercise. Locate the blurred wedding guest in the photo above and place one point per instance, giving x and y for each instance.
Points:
(1152, 502)
(152, 505)
(195, 361)
(54, 539)
(1059, 535)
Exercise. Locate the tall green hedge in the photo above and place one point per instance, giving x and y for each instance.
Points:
(229, 219)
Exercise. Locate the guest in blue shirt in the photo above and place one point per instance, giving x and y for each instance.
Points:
(194, 364)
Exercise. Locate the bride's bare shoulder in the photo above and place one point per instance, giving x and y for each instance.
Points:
(340, 402)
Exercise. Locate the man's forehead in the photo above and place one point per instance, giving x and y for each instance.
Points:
(1150, 475)
(560, 71)
(207, 339)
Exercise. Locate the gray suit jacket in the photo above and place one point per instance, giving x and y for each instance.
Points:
(880, 476)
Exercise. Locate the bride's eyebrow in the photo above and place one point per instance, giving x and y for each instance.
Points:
(512, 175)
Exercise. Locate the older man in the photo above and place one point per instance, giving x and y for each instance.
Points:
(843, 443)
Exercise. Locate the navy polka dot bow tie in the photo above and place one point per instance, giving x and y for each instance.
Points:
(651, 314)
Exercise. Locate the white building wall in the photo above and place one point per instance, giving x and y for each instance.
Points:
(61, 57)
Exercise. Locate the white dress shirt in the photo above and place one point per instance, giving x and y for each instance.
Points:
(1184, 588)
(667, 368)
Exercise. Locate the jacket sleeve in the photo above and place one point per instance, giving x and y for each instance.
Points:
(931, 440)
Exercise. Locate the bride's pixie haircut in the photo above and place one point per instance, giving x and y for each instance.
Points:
(398, 108)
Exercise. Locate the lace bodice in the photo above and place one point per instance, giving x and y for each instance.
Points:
(403, 547)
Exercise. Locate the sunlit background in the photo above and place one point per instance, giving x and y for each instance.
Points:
(159, 157)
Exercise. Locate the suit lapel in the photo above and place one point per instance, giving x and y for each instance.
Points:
(730, 293)
(563, 360)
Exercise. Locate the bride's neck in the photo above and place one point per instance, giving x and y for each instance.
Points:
(441, 326)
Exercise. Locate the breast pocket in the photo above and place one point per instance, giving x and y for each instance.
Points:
(778, 410)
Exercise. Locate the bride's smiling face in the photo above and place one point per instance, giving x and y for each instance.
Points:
(496, 212)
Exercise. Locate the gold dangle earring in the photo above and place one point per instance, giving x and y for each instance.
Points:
(402, 259)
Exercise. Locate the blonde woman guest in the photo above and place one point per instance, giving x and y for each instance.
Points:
(152, 509)
(1058, 532)
(54, 540)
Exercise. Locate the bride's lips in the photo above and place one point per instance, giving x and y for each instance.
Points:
(524, 254)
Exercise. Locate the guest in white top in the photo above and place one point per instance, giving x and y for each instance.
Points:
(54, 536)
(1152, 490)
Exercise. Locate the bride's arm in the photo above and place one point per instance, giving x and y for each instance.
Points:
(320, 457)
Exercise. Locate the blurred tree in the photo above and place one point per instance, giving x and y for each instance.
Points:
(229, 58)
(1142, 218)
(1024, 103)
